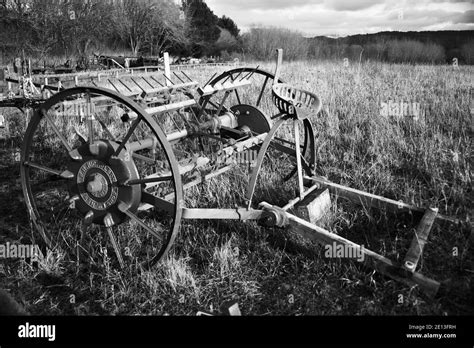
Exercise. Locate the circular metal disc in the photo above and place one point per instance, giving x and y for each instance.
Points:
(252, 117)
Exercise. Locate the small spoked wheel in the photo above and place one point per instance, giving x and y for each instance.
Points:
(98, 174)
(254, 107)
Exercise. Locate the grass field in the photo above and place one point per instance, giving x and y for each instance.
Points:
(425, 160)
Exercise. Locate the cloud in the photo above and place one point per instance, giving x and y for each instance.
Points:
(350, 5)
(466, 17)
(247, 5)
(346, 17)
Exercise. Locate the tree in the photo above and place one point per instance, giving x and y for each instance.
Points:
(151, 25)
(202, 27)
(14, 25)
(167, 29)
(84, 25)
(134, 22)
(43, 19)
(467, 52)
(227, 42)
(227, 23)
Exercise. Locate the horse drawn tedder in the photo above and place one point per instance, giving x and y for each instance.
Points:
(126, 151)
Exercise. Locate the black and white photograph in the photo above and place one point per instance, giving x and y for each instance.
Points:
(236, 168)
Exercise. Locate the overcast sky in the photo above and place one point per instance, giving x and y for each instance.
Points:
(347, 17)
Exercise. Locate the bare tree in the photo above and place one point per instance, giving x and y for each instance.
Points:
(14, 24)
(42, 19)
(167, 29)
(88, 22)
(135, 21)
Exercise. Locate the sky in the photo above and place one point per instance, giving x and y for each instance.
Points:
(348, 17)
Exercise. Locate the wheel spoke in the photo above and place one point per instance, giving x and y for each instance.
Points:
(157, 203)
(47, 180)
(90, 119)
(128, 135)
(124, 209)
(56, 130)
(81, 137)
(116, 246)
(81, 252)
(88, 219)
(65, 174)
(149, 180)
(104, 127)
(143, 158)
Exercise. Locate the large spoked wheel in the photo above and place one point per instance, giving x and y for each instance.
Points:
(254, 107)
(98, 174)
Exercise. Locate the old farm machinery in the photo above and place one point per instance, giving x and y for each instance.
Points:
(115, 162)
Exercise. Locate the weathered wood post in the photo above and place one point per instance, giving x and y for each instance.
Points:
(166, 61)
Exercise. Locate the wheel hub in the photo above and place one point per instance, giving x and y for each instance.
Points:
(100, 182)
(97, 184)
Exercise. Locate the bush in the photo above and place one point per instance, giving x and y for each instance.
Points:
(261, 43)
(409, 51)
(467, 52)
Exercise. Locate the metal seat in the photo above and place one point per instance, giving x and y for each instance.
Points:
(296, 103)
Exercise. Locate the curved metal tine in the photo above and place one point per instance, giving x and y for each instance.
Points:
(305, 165)
(169, 80)
(209, 81)
(311, 144)
(225, 108)
(299, 166)
(190, 79)
(235, 90)
(250, 74)
(177, 76)
(260, 158)
(259, 99)
(116, 247)
(221, 105)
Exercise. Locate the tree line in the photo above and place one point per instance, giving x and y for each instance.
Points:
(393, 47)
(78, 28)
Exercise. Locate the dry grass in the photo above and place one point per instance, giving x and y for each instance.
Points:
(427, 162)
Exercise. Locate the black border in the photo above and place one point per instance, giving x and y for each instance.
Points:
(289, 331)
